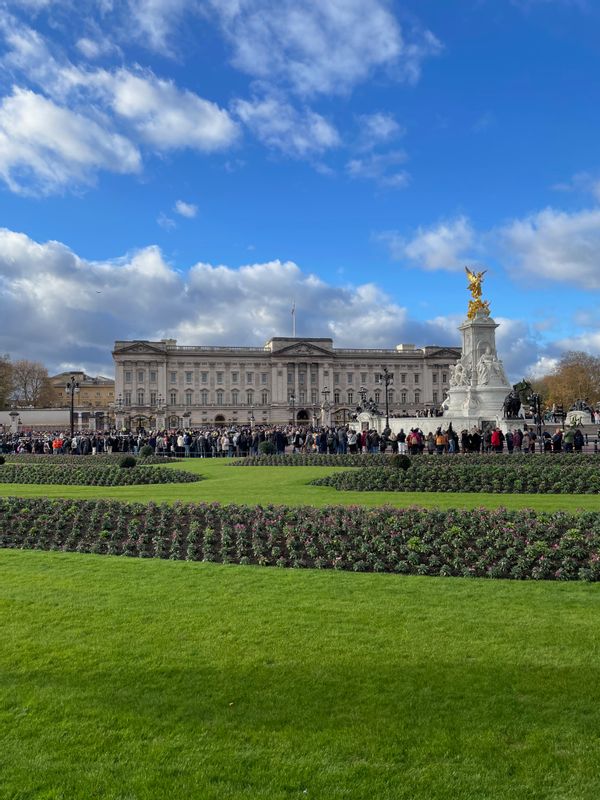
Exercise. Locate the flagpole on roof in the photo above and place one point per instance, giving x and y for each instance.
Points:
(293, 319)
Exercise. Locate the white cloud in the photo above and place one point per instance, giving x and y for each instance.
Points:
(166, 222)
(582, 183)
(381, 168)
(445, 246)
(278, 124)
(96, 47)
(184, 209)
(156, 22)
(166, 116)
(45, 148)
(378, 128)
(320, 48)
(149, 110)
(556, 246)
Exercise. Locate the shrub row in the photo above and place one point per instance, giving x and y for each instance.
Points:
(383, 459)
(454, 475)
(72, 460)
(89, 475)
(481, 543)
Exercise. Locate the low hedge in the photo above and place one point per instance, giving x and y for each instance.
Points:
(99, 458)
(529, 476)
(480, 543)
(89, 475)
(383, 459)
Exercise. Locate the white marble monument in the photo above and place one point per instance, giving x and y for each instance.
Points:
(478, 383)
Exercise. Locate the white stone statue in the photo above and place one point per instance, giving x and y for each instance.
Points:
(460, 374)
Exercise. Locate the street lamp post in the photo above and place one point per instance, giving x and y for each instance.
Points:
(386, 377)
(325, 404)
(292, 399)
(72, 387)
(536, 406)
(160, 407)
(118, 412)
(251, 417)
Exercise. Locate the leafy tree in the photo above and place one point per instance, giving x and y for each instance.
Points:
(576, 377)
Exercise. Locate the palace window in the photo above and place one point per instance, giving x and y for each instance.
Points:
(173, 398)
(336, 396)
(403, 398)
(417, 396)
(263, 377)
(140, 376)
(128, 377)
(152, 376)
(189, 377)
(444, 377)
(188, 398)
(173, 377)
(152, 398)
(301, 378)
(140, 397)
(434, 377)
(204, 377)
(350, 378)
(235, 397)
(403, 377)
(390, 395)
(363, 377)
(302, 398)
(264, 398)
(204, 397)
(220, 396)
(435, 397)
(377, 396)
(290, 377)
(235, 377)
(350, 398)
(417, 377)
(313, 396)
(127, 398)
(336, 377)
(249, 397)
(249, 377)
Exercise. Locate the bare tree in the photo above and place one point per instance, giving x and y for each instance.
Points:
(5, 381)
(30, 383)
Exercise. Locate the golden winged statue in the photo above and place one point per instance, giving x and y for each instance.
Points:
(476, 305)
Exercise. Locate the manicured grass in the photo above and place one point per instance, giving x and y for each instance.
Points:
(126, 678)
(290, 486)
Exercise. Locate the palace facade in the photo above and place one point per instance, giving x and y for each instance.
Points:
(305, 380)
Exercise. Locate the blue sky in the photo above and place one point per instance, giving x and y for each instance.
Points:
(185, 168)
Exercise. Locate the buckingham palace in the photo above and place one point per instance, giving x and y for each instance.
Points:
(163, 384)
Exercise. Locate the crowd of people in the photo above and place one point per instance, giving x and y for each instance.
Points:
(219, 442)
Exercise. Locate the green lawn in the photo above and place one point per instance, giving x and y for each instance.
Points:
(126, 679)
(289, 486)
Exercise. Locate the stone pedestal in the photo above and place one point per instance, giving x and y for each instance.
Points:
(578, 418)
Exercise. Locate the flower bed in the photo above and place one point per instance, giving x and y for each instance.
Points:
(90, 475)
(73, 460)
(480, 543)
(527, 476)
(383, 459)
